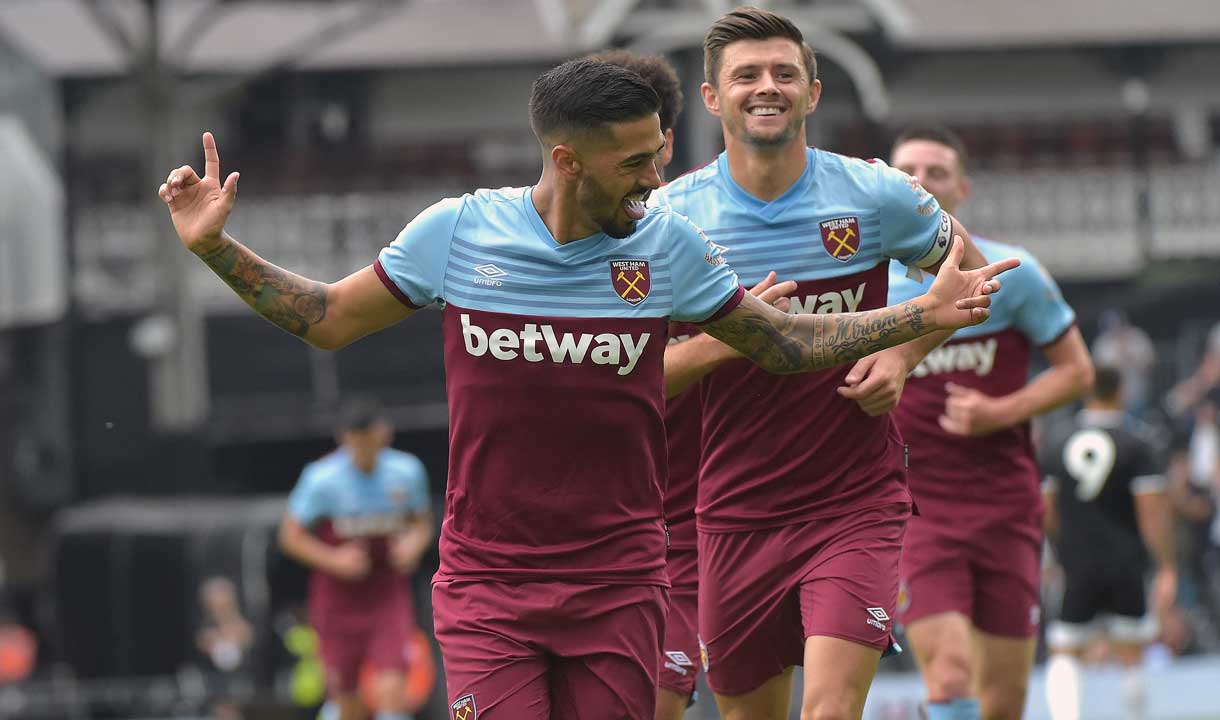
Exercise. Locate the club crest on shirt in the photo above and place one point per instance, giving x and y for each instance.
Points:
(841, 237)
(630, 280)
(463, 708)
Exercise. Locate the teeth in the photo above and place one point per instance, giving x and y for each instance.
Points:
(765, 111)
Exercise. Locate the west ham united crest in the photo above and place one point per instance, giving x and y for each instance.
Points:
(463, 708)
(631, 280)
(841, 237)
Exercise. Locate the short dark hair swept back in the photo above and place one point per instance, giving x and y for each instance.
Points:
(751, 23)
(658, 73)
(585, 95)
(933, 133)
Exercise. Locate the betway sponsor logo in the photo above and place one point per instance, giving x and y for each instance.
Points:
(959, 357)
(836, 301)
(536, 343)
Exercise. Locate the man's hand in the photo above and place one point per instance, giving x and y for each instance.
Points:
(960, 298)
(875, 382)
(971, 413)
(199, 206)
(405, 553)
(350, 562)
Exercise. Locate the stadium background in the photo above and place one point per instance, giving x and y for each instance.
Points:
(150, 425)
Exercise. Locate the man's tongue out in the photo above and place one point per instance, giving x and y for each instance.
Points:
(633, 208)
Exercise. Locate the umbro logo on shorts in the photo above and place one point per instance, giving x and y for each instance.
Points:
(878, 617)
(678, 661)
(463, 708)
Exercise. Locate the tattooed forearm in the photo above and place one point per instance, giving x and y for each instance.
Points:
(287, 300)
(914, 315)
(798, 343)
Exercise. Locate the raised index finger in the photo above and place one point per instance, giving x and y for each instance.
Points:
(1000, 266)
(211, 158)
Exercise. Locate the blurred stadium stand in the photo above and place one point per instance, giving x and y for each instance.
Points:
(126, 369)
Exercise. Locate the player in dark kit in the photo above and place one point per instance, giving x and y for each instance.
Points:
(1107, 512)
(362, 519)
(551, 592)
(971, 559)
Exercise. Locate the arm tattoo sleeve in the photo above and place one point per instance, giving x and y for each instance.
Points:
(289, 301)
(785, 343)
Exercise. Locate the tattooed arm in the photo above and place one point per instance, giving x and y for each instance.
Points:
(328, 316)
(785, 343)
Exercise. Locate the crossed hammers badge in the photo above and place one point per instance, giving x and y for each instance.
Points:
(631, 280)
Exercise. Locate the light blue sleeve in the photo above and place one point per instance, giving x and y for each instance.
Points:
(902, 287)
(703, 281)
(310, 499)
(419, 500)
(911, 219)
(1042, 314)
(415, 262)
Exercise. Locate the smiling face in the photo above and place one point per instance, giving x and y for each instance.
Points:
(616, 170)
(763, 92)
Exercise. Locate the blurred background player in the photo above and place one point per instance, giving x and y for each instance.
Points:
(971, 559)
(828, 222)
(1107, 512)
(361, 519)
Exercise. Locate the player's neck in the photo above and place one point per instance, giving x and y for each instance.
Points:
(766, 173)
(557, 206)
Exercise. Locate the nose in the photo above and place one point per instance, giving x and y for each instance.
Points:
(651, 178)
(766, 84)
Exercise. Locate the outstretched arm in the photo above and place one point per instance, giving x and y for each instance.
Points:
(783, 343)
(324, 315)
(688, 361)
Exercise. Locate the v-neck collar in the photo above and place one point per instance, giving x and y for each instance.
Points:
(767, 210)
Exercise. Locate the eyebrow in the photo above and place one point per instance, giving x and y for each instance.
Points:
(643, 155)
(755, 66)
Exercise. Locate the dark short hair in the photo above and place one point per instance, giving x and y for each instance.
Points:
(751, 23)
(585, 95)
(658, 73)
(359, 414)
(1107, 383)
(933, 133)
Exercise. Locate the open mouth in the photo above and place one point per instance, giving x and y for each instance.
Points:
(765, 111)
(634, 205)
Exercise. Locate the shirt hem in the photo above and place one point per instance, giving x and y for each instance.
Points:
(720, 528)
(392, 286)
(729, 306)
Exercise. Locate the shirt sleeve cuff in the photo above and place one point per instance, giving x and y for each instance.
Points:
(1145, 484)
(729, 305)
(392, 286)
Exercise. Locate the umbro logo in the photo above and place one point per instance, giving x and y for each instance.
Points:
(679, 657)
(878, 617)
(489, 270)
(491, 275)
